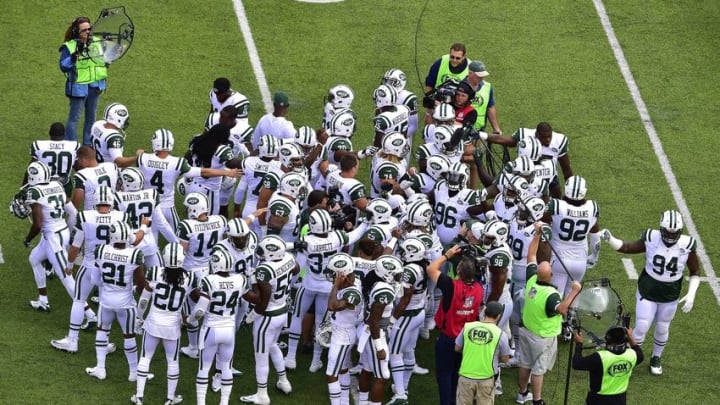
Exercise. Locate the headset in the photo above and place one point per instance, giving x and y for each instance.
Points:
(76, 25)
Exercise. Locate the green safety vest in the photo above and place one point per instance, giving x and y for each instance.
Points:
(480, 103)
(617, 369)
(444, 72)
(89, 68)
(534, 316)
(480, 342)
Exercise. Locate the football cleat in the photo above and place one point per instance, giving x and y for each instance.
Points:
(419, 370)
(235, 371)
(174, 401)
(216, 383)
(355, 370)
(256, 399)
(498, 387)
(190, 351)
(89, 324)
(65, 344)
(40, 306)
(136, 400)
(111, 348)
(96, 372)
(655, 365)
(290, 364)
(132, 377)
(315, 366)
(424, 333)
(284, 386)
(398, 400)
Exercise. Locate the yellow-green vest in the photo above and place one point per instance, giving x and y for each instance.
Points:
(534, 316)
(90, 67)
(617, 369)
(480, 342)
(480, 103)
(444, 72)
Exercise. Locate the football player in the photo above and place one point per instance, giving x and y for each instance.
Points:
(452, 198)
(574, 221)
(397, 79)
(161, 170)
(108, 136)
(167, 290)
(339, 97)
(443, 114)
(92, 229)
(60, 156)
(390, 116)
(198, 234)
(120, 267)
(239, 142)
(667, 253)
(222, 95)
(554, 148)
(254, 169)
(220, 292)
(378, 214)
(379, 294)
(283, 206)
(275, 269)
(322, 243)
(408, 316)
(275, 123)
(138, 203)
(343, 186)
(346, 305)
(211, 150)
(89, 175)
(46, 199)
(387, 168)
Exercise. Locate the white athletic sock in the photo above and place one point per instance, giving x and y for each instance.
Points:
(130, 346)
(334, 392)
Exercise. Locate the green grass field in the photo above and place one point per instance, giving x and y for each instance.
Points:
(549, 61)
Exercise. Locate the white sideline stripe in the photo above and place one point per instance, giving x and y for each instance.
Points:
(630, 268)
(657, 146)
(253, 54)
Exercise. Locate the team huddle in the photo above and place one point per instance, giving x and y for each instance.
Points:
(305, 238)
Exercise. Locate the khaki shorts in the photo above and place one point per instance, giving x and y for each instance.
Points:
(479, 392)
(536, 353)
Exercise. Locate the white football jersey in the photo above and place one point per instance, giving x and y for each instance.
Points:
(348, 318)
(414, 277)
(519, 238)
(221, 156)
(505, 212)
(236, 99)
(557, 148)
(278, 275)
(243, 260)
(117, 270)
(316, 257)
(450, 211)
(92, 229)
(224, 294)
(661, 278)
(382, 169)
(380, 293)
(51, 197)
(363, 267)
(334, 144)
(90, 178)
(108, 143)
(254, 169)
(161, 174)
(60, 156)
(396, 119)
(201, 236)
(240, 134)
(571, 226)
(281, 206)
(164, 318)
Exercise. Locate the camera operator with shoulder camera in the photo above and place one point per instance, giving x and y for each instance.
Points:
(460, 303)
(610, 369)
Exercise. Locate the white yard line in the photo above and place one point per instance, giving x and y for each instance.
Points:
(253, 54)
(657, 146)
(630, 268)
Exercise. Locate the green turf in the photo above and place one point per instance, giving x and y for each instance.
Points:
(549, 61)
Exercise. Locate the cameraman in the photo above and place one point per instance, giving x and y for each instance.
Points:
(610, 369)
(85, 71)
(460, 303)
